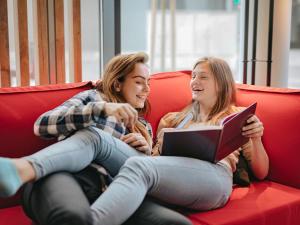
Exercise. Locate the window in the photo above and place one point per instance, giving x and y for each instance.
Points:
(175, 39)
(294, 57)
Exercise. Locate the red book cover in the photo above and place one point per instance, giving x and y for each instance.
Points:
(210, 143)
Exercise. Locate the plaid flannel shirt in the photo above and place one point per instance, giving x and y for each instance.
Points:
(82, 110)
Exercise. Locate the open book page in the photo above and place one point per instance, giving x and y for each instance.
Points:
(196, 127)
(227, 118)
(210, 143)
(247, 112)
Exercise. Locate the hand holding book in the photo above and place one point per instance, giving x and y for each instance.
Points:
(254, 128)
(212, 143)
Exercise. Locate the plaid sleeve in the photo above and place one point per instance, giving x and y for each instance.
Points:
(76, 113)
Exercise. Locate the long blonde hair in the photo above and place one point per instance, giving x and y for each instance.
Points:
(226, 93)
(117, 70)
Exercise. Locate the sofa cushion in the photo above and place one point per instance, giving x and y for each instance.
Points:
(169, 93)
(279, 110)
(19, 108)
(14, 216)
(263, 203)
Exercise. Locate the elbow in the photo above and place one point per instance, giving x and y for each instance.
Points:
(42, 131)
(262, 171)
(262, 175)
(36, 128)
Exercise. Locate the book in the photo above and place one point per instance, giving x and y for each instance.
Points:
(210, 143)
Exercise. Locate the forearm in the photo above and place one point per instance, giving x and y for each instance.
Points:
(259, 159)
(66, 119)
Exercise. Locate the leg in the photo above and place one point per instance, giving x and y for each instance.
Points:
(152, 213)
(56, 200)
(43, 202)
(186, 182)
(72, 154)
(78, 151)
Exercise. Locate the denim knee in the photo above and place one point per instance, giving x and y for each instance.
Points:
(142, 168)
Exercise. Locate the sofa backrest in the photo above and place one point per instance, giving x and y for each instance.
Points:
(19, 108)
(278, 109)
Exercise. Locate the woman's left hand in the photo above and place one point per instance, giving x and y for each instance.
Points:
(254, 128)
(137, 141)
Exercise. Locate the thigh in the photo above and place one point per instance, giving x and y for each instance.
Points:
(56, 199)
(71, 154)
(152, 213)
(189, 182)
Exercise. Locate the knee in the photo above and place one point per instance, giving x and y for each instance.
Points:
(140, 165)
(66, 216)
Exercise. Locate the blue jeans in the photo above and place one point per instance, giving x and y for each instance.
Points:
(186, 182)
(78, 151)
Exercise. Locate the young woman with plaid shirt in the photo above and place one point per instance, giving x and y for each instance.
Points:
(102, 126)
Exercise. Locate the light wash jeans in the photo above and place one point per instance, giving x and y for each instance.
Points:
(79, 150)
(187, 182)
(181, 181)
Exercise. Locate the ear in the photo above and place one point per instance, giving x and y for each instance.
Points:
(117, 86)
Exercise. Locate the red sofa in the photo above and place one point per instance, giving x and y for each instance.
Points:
(275, 201)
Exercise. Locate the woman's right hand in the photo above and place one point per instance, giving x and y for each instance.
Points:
(137, 141)
(123, 112)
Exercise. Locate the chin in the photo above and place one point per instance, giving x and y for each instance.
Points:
(196, 98)
(138, 105)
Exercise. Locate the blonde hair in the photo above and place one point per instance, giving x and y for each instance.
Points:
(117, 70)
(226, 93)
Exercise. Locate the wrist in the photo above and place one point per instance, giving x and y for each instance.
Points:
(98, 108)
(256, 140)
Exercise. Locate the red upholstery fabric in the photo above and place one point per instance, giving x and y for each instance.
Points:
(14, 216)
(279, 109)
(264, 203)
(169, 93)
(19, 108)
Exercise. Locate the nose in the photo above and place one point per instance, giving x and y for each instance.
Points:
(193, 81)
(147, 87)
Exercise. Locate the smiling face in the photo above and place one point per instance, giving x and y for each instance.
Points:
(203, 85)
(135, 88)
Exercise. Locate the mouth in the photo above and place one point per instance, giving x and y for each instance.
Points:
(197, 90)
(142, 97)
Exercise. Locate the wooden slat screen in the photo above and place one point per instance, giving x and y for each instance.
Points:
(21, 37)
(52, 49)
(77, 41)
(49, 41)
(4, 46)
(42, 42)
(59, 40)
